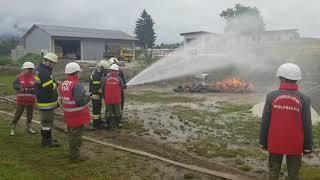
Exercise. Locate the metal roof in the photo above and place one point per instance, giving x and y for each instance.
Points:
(197, 32)
(64, 31)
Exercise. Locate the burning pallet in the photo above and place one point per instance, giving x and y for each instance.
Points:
(233, 85)
(230, 85)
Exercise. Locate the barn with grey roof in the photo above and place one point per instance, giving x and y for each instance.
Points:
(76, 43)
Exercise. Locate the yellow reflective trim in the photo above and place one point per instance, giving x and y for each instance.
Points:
(36, 78)
(47, 105)
(47, 83)
(96, 82)
(54, 86)
(96, 116)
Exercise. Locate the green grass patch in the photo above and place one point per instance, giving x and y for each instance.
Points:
(21, 157)
(198, 117)
(312, 173)
(245, 130)
(316, 135)
(158, 97)
(226, 107)
(245, 168)
(134, 126)
(7, 81)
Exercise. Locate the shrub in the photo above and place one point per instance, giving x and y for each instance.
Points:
(31, 57)
(146, 57)
(6, 60)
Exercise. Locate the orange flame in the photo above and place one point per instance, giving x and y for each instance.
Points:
(233, 85)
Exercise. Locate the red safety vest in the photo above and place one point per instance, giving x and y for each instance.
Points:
(112, 91)
(74, 115)
(26, 94)
(286, 134)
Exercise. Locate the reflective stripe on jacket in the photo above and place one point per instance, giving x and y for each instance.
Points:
(95, 81)
(74, 115)
(25, 94)
(45, 88)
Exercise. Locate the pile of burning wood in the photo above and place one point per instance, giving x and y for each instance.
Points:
(230, 85)
(233, 85)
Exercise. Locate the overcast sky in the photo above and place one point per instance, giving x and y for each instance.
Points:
(171, 16)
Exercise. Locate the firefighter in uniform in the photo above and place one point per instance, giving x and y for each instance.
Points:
(46, 92)
(26, 98)
(112, 86)
(286, 128)
(121, 75)
(76, 110)
(95, 91)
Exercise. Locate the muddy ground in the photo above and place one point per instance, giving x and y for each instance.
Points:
(141, 167)
(213, 130)
(219, 128)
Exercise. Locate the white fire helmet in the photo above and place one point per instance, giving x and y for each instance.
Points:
(114, 67)
(104, 64)
(72, 68)
(289, 71)
(27, 65)
(51, 57)
(113, 61)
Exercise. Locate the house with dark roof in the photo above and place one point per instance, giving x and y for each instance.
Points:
(76, 43)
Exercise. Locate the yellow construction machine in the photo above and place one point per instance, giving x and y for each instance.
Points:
(121, 54)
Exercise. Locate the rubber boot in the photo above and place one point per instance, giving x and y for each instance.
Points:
(52, 143)
(99, 124)
(108, 124)
(118, 121)
(88, 127)
(96, 123)
(13, 130)
(29, 129)
(47, 139)
(44, 140)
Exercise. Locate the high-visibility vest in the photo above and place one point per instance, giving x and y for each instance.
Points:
(112, 91)
(286, 132)
(26, 94)
(74, 115)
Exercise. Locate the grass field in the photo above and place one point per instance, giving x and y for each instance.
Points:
(6, 80)
(21, 157)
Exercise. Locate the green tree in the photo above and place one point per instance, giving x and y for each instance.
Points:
(243, 19)
(144, 30)
(7, 43)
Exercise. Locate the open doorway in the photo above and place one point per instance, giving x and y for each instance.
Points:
(68, 49)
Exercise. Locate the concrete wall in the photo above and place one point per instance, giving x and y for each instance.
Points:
(92, 49)
(37, 39)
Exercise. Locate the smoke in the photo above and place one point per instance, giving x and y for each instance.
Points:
(201, 55)
(246, 23)
(246, 48)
